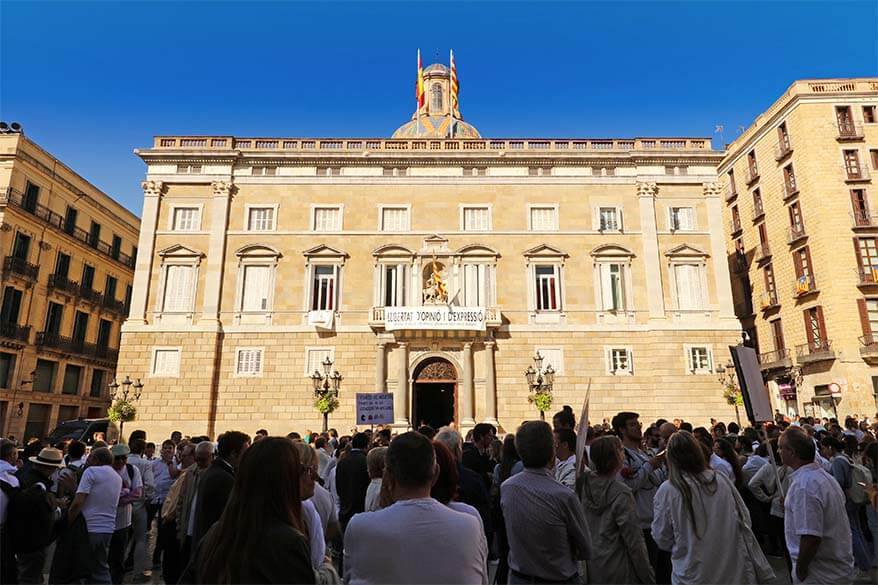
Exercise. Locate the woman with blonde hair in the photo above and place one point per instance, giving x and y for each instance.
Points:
(310, 517)
(701, 519)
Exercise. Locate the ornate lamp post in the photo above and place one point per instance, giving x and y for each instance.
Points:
(731, 390)
(539, 382)
(123, 409)
(326, 387)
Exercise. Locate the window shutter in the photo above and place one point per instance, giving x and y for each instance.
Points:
(821, 323)
(808, 260)
(596, 219)
(857, 251)
(256, 283)
(864, 317)
(797, 263)
(606, 287)
(619, 224)
(808, 332)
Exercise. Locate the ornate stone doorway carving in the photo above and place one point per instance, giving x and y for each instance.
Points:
(434, 393)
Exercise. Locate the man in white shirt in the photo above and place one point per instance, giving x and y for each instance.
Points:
(817, 534)
(97, 499)
(139, 526)
(132, 491)
(417, 539)
(565, 457)
(165, 471)
(8, 457)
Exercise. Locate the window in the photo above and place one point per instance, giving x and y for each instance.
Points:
(189, 169)
(88, 277)
(166, 362)
(80, 326)
(127, 301)
(873, 154)
(869, 114)
(326, 219)
(732, 187)
(548, 294)
(248, 362)
(752, 166)
(736, 219)
(619, 361)
(105, 329)
(62, 265)
(795, 211)
(682, 219)
(867, 255)
(72, 375)
(323, 295)
(7, 367)
(257, 286)
(690, 295)
(31, 197)
(179, 294)
(543, 218)
(110, 288)
(263, 171)
(609, 219)
(187, 219)
(612, 276)
(802, 263)
(315, 356)
(21, 246)
(477, 285)
(476, 219)
(70, 220)
(783, 137)
(777, 335)
(96, 388)
(475, 171)
(54, 315)
(844, 116)
(44, 376)
(552, 356)
(539, 171)
(868, 312)
(260, 219)
(94, 234)
(700, 359)
(789, 180)
(394, 278)
(11, 305)
(815, 329)
(328, 171)
(860, 205)
(770, 286)
(115, 247)
(763, 235)
(37, 420)
(436, 99)
(758, 208)
(852, 164)
(394, 219)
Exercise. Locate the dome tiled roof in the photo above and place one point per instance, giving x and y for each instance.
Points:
(436, 68)
(436, 127)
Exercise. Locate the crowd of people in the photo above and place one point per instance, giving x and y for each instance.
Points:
(666, 504)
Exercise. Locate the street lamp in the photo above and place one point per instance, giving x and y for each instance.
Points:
(326, 387)
(125, 394)
(731, 391)
(539, 382)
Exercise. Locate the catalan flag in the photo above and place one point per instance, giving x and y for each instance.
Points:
(455, 89)
(419, 85)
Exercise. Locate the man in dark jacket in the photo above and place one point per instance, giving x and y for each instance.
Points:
(352, 480)
(38, 509)
(215, 484)
(478, 456)
(470, 486)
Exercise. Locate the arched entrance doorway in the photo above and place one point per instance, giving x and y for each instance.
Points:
(434, 393)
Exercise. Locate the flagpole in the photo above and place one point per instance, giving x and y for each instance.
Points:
(418, 98)
(450, 90)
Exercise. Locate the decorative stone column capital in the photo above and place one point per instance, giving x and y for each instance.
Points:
(712, 189)
(647, 189)
(221, 188)
(152, 188)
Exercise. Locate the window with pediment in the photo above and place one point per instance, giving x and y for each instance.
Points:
(612, 277)
(687, 267)
(257, 266)
(545, 267)
(179, 280)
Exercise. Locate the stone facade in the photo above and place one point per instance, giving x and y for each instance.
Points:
(571, 247)
(68, 262)
(822, 291)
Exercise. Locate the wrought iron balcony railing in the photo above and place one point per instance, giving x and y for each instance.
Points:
(75, 346)
(15, 331)
(21, 267)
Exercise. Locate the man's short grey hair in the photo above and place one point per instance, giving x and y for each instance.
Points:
(451, 439)
(101, 456)
(205, 447)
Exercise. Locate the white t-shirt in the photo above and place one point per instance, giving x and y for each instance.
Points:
(717, 463)
(414, 541)
(103, 486)
(324, 505)
(373, 494)
(815, 506)
(134, 482)
(315, 533)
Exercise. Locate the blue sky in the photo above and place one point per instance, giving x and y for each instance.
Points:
(91, 81)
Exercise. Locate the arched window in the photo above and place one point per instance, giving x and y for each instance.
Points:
(436, 98)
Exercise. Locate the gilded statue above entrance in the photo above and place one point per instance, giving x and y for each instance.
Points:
(435, 292)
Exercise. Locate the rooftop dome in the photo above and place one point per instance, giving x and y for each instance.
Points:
(437, 118)
(436, 127)
(436, 69)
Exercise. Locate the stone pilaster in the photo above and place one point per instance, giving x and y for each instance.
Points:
(490, 384)
(400, 398)
(713, 194)
(219, 214)
(152, 193)
(381, 367)
(466, 397)
(651, 259)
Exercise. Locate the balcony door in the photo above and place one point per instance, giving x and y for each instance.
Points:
(11, 305)
(80, 327)
(54, 315)
(21, 247)
(62, 265)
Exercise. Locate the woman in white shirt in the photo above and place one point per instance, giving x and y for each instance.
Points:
(763, 486)
(696, 517)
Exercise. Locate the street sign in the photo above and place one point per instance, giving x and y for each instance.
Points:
(375, 408)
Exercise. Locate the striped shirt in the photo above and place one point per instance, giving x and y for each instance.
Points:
(545, 525)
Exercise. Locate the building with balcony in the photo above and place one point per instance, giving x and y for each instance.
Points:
(815, 149)
(432, 265)
(68, 265)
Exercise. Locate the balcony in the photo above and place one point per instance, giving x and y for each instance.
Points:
(752, 175)
(90, 295)
(730, 192)
(74, 346)
(20, 267)
(805, 285)
(782, 150)
(63, 284)
(855, 174)
(775, 360)
(58, 222)
(377, 317)
(15, 332)
(768, 300)
(113, 305)
(848, 130)
(816, 351)
(868, 347)
(795, 233)
(763, 252)
(867, 276)
(735, 225)
(790, 187)
(758, 210)
(864, 219)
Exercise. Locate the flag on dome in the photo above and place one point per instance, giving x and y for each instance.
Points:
(419, 85)
(455, 89)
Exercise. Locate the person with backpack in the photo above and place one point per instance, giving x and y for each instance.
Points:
(847, 474)
(32, 514)
(67, 478)
(132, 491)
(8, 486)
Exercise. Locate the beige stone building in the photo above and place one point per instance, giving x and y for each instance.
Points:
(68, 254)
(802, 242)
(432, 265)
